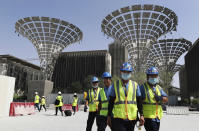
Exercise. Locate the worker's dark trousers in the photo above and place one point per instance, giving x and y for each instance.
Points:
(37, 106)
(101, 123)
(150, 125)
(74, 109)
(90, 121)
(43, 107)
(60, 109)
(123, 125)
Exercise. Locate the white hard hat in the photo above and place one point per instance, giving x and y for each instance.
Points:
(43, 96)
(36, 93)
(59, 92)
(75, 94)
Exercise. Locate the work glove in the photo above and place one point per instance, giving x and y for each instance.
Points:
(158, 98)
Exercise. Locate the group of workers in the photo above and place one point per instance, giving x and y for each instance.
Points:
(118, 103)
(58, 103)
(37, 102)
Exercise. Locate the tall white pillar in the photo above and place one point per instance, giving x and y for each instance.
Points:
(7, 85)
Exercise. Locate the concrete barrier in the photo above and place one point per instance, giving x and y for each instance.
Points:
(177, 110)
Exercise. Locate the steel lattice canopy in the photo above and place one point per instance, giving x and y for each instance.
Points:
(138, 26)
(50, 36)
(167, 51)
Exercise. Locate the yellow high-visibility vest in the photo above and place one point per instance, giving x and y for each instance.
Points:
(36, 99)
(43, 101)
(60, 98)
(75, 100)
(125, 107)
(85, 95)
(104, 101)
(151, 108)
(93, 100)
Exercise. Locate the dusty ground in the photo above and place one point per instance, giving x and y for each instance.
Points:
(46, 121)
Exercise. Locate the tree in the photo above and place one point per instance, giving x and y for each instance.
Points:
(87, 82)
(139, 77)
(115, 78)
(166, 78)
(76, 87)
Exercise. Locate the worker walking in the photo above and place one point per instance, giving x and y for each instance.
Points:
(43, 103)
(153, 96)
(103, 102)
(59, 103)
(125, 100)
(36, 101)
(92, 102)
(74, 104)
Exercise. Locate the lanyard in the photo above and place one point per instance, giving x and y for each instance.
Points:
(125, 88)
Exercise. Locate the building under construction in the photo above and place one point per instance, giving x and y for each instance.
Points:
(76, 66)
(22, 70)
(119, 55)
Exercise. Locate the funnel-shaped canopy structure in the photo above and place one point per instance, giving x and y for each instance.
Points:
(166, 52)
(139, 26)
(49, 36)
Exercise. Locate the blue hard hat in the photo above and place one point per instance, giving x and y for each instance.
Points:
(152, 71)
(94, 79)
(106, 75)
(126, 67)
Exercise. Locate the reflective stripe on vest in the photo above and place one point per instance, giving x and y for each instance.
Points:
(104, 101)
(125, 107)
(93, 100)
(151, 109)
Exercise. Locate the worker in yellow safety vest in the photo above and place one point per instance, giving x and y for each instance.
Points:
(85, 106)
(36, 100)
(103, 102)
(153, 96)
(125, 102)
(59, 103)
(74, 104)
(92, 102)
(43, 103)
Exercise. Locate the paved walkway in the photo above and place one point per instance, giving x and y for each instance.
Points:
(46, 121)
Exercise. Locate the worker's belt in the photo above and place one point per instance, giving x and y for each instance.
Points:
(123, 102)
(104, 101)
(146, 103)
(104, 108)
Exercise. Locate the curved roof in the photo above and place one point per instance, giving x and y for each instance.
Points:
(139, 26)
(49, 35)
(139, 22)
(167, 51)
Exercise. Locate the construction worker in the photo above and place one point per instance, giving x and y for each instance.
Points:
(59, 103)
(85, 106)
(153, 96)
(74, 104)
(36, 100)
(125, 100)
(92, 102)
(43, 103)
(103, 102)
